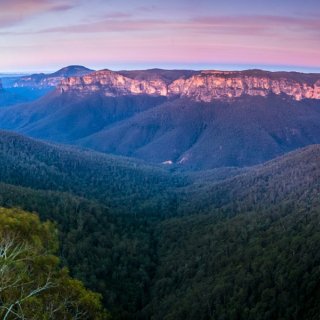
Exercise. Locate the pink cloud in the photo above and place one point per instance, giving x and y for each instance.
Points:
(224, 25)
(15, 11)
(110, 25)
(257, 24)
(120, 36)
(33, 6)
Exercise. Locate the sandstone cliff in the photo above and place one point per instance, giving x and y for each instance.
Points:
(204, 86)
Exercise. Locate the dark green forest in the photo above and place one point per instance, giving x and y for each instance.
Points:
(160, 244)
(33, 285)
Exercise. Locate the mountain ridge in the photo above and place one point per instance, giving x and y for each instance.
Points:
(132, 114)
(205, 86)
(50, 80)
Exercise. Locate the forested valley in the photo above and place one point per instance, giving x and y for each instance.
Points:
(159, 243)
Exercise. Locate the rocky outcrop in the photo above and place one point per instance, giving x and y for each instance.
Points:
(113, 84)
(210, 85)
(204, 86)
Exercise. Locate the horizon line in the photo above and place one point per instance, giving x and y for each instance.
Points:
(192, 67)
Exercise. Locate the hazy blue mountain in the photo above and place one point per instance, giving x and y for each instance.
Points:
(178, 130)
(25, 88)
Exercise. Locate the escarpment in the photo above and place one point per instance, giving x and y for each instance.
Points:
(204, 86)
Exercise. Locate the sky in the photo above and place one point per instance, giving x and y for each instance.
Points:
(45, 35)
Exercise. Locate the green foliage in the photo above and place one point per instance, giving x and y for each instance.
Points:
(111, 253)
(251, 266)
(32, 285)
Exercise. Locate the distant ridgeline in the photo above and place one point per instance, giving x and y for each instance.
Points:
(204, 86)
(180, 118)
(31, 87)
(51, 80)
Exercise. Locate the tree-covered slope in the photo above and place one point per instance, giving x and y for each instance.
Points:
(114, 181)
(105, 208)
(101, 204)
(222, 244)
(252, 266)
(239, 132)
(111, 253)
(291, 181)
(252, 255)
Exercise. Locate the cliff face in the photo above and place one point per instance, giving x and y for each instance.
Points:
(113, 84)
(204, 86)
(210, 85)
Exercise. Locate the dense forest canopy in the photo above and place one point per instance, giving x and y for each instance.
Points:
(230, 244)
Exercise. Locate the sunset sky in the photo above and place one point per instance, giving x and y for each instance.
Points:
(44, 35)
